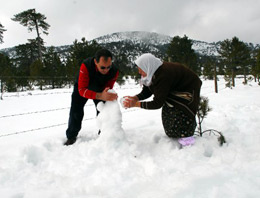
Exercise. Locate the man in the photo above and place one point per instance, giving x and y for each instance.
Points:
(175, 88)
(96, 76)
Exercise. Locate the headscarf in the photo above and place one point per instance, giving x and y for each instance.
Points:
(149, 64)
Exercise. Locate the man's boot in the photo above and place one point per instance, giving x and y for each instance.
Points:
(70, 141)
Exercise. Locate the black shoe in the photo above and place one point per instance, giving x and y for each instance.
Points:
(70, 141)
(99, 132)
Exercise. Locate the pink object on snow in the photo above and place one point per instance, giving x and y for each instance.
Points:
(187, 141)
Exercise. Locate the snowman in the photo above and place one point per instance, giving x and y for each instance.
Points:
(109, 121)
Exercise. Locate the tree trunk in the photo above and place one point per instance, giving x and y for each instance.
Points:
(233, 77)
(38, 41)
(199, 124)
(215, 79)
(245, 80)
(2, 90)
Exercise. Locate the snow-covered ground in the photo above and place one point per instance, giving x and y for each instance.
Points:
(139, 161)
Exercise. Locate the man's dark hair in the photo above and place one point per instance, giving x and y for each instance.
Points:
(103, 52)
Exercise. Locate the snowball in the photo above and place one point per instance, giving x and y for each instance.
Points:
(111, 91)
(122, 102)
(100, 106)
(123, 99)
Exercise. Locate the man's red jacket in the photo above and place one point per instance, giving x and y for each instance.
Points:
(91, 81)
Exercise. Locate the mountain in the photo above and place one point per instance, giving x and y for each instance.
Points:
(204, 48)
(134, 43)
(154, 42)
(136, 37)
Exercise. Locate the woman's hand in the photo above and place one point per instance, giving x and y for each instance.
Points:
(131, 101)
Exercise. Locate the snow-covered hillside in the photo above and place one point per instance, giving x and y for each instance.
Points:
(144, 163)
(204, 48)
(150, 38)
(155, 40)
(135, 43)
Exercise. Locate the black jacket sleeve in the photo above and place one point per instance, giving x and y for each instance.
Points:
(145, 93)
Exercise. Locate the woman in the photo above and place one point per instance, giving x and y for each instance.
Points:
(175, 88)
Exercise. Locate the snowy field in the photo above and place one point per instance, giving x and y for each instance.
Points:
(134, 159)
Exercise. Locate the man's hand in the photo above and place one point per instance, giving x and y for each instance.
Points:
(106, 96)
(131, 101)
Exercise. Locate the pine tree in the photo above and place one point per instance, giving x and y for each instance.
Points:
(203, 111)
(226, 60)
(7, 73)
(36, 73)
(235, 54)
(122, 63)
(1, 33)
(180, 50)
(208, 68)
(71, 70)
(241, 57)
(79, 51)
(257, 67)
(33, 21)
(26, 54)
(82, 50)
(54, 69)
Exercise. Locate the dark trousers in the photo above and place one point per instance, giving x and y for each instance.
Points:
(76, 114)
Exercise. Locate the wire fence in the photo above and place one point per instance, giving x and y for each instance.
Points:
(9, 84)
(65, 108)
(29, 93)
(55, 125)
(34, 112)
(50, 110)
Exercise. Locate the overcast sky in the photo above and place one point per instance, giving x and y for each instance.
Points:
(205, 20)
